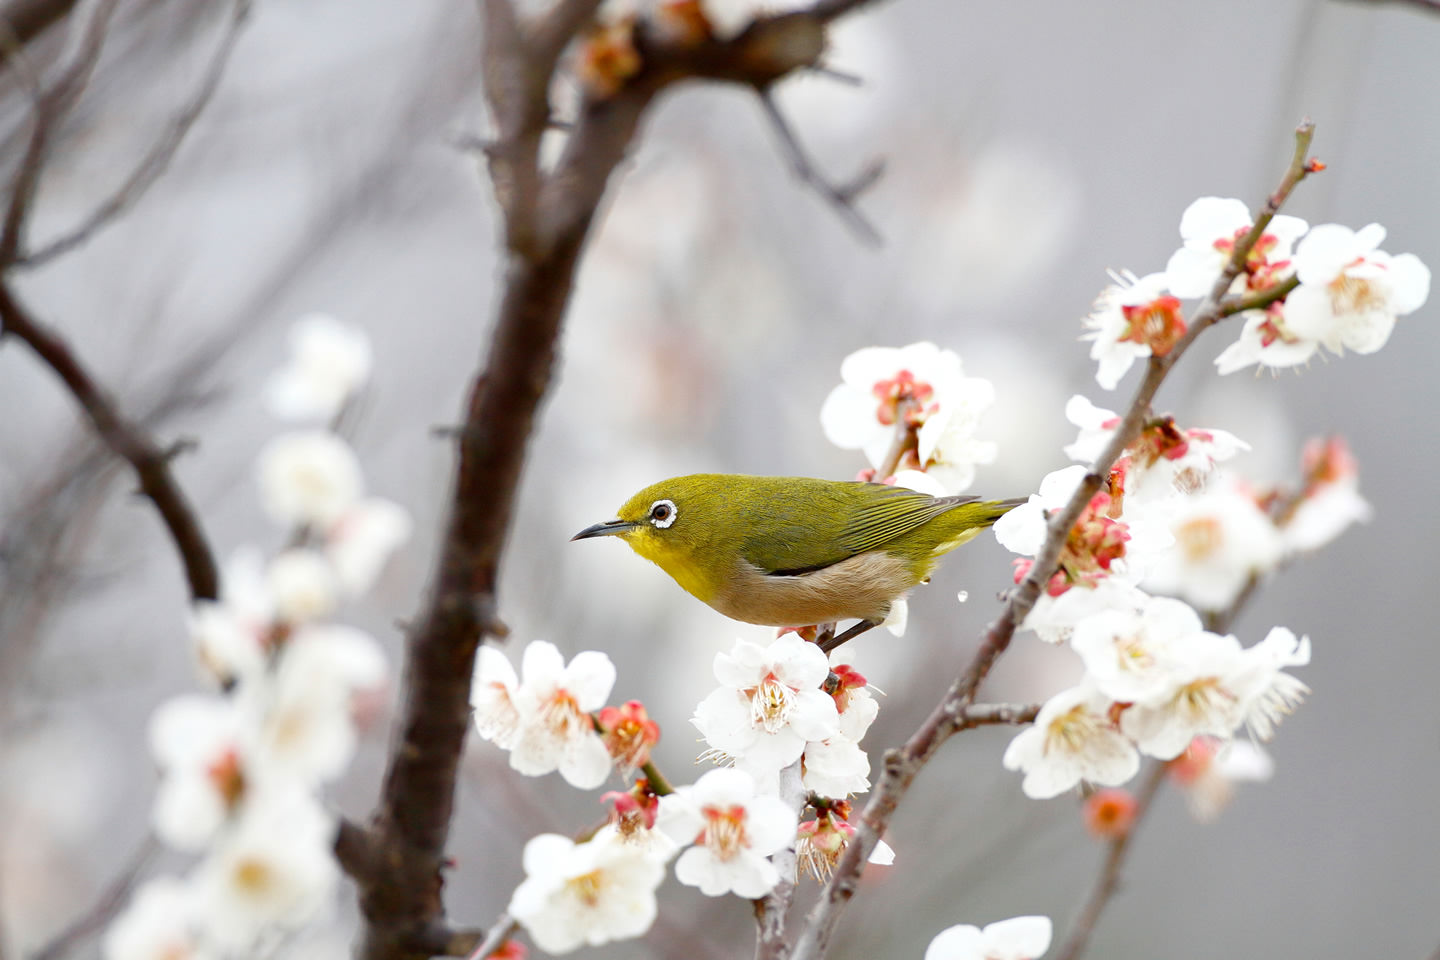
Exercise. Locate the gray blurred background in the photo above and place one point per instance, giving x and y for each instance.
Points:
(1029, 146)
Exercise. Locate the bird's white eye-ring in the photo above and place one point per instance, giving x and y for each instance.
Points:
(663, 513)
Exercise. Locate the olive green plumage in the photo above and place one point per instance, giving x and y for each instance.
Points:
(789, 551)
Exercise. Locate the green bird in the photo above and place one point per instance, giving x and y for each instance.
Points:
(794, 551)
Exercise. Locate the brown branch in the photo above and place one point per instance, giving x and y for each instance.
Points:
(126, 439)
(902, 765)
(104, 909)
(27, 19)
(772, 909)
(1109, 880)
(157, 160)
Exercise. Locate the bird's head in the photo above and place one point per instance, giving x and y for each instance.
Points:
(675, 524)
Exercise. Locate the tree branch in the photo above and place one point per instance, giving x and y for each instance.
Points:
(126, 439)
(104, 909)
(157, 160)
(840, 196)
(903, 764)
(1109, 880)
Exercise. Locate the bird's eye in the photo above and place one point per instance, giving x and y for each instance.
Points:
(662, 513)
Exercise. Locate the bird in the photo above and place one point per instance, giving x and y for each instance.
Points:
(795, 551)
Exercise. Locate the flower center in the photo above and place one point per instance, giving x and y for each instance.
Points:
(1069, 731)
(587, 887)
(253, 876)
(562, 716)
(724, 834)
(1199, 538)
(1201, 699)
(227, 776)
(903, 396)
(1157, 324)
(1355, 294)
(770, 704)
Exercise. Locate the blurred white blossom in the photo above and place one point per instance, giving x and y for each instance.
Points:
(1019, 938)
(329, 361)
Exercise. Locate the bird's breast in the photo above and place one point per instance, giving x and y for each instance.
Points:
(860, 587)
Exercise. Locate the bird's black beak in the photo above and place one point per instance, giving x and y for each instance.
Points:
(607, 529)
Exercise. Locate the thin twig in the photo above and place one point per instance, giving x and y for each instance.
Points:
(902, 765)
(772, 909)
(1109, 880)
(157, 160)
(49, 108)
(501, 930)
(106, 906)
(840, 196)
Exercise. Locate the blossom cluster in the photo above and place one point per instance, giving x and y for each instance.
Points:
(1327, 286)
(778, 706)
(1171, 531)
(241, 769)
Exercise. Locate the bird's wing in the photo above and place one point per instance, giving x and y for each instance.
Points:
(838, 522)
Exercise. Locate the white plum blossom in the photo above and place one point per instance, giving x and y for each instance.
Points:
(158, 924)
(1267, 340)
(1216, 687)
(492, 695)
(1331, 500)
(1209, 770)
(769, 703)
(308, 478)
(1019, 938)
(1053, 619)
(1210, 228)
(837, 767)
(1350, 292)
(1131, 319)
(1163, 461)
(304, 719)
(197, 744)
(1222, 539)
(302, 584)
(912, 385)
(1072, 739)
(555, 701)
(1205, 697)
(329, 361)
(946, 448)
(361, 539)
(1267, 693)
(733, 830)
(1126, 652)
(585, 894)
(1099, 549)
(275, 870)
(231, 636)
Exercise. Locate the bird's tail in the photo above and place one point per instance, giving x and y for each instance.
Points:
(969, 517)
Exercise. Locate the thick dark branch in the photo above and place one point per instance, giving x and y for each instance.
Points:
(827, 10)
(27, 19)
(126, 439)
(157, 160)
(104, 909)
(903, 764)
